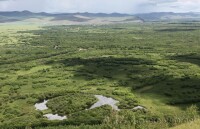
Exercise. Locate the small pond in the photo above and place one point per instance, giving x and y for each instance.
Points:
(102, 100)
(55, 117)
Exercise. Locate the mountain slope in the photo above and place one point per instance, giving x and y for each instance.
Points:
(170, 16)
(67, 18)
(94, 18)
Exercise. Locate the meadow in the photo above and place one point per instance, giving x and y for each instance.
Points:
(154, 65)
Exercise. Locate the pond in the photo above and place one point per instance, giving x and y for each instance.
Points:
(102, 100)
(42, 106)
(55, 117)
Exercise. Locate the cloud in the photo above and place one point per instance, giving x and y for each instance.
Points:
(106, 6)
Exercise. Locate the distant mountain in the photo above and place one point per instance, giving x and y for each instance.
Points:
(18, 16)
(94, 18)
(31, 14)
(104, 14)
(170, 16)
(67, 18)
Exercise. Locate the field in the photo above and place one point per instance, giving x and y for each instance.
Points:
(153, 65)
(190, 125)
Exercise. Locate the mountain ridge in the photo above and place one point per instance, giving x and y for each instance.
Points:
(86, 17)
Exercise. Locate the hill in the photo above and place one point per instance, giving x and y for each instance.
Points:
(191, 125)
(94, 18)
(170, 16)
(66, 18)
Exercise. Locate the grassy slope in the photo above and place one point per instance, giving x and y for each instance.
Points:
(72, 20)
(9, 33)
(191, 125)
(38, 70)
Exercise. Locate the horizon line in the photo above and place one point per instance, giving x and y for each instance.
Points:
(98, 12)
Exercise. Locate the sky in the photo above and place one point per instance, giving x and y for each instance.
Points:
(103, 6)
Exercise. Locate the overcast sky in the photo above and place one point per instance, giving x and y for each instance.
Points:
(105, 6)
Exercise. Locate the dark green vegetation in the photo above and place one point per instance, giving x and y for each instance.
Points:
(153, 65)
(71, 103)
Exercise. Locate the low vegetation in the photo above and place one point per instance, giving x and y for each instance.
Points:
(71, 103)
(154, 65)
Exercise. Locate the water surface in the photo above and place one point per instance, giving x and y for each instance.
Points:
(55, 117)
(41, 106)
(102, 100)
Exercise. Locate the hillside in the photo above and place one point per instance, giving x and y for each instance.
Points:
(148, 71)
(66, 18)
(169, 16)
(93, 18)
(191, 125)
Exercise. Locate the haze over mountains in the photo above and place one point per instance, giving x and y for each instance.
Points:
(93, 18)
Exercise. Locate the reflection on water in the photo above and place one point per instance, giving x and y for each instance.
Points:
(102, 100)
(55, 117)
(105, 101)
(41, 106)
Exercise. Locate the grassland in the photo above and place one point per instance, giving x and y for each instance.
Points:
(190, 125)
(155, 65)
